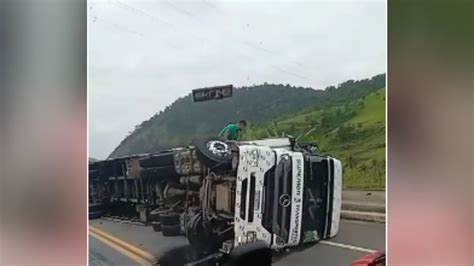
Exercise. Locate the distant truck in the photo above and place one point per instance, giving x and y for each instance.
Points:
(224, 194)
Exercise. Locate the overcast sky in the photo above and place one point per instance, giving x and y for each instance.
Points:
(145, 54)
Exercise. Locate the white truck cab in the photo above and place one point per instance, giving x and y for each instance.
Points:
(284, 197)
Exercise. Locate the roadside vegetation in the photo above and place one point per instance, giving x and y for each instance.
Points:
(347, 121)
(353, 132)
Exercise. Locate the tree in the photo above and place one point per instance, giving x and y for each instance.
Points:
(350, 161)
(374, 166)
(345, 132)
(350, 164)
(183, 119)
(363, 169)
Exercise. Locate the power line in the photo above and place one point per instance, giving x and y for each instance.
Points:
(118, 27)
(189, 14)
(183, 11)
(246, 43)
(141, 12)
(133, 32)
(290, 73)
(259, 46)
(208, 4)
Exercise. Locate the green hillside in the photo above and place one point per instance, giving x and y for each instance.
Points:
(353, 131)
(184, 120)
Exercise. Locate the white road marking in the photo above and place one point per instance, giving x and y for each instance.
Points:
(340, 245)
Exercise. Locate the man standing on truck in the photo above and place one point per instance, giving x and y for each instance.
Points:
(232, 131)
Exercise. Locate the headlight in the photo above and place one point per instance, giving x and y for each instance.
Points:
(249, 237)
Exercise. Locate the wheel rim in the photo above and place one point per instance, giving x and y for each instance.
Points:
(218, 148)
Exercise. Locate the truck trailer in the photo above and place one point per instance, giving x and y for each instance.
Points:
(225, 194)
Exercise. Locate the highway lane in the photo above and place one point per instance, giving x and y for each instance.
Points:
(319, 255)
(342, 250)
(353, 241)
(141, 236)
(368, 235)
(101, 254)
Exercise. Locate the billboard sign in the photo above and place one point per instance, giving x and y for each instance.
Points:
(212, 93)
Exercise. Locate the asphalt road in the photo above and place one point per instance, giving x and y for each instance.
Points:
(350, 244)
(102, 255)
(354, 240)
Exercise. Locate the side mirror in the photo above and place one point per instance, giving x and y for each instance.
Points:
(256, 253)
(292, 141)
(309, 147)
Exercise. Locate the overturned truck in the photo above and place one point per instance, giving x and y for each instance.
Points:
(221, 194)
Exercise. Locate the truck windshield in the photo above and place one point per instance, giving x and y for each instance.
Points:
(315, 207)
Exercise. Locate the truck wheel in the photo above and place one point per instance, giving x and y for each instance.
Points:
(93, 207)
(256, 253)
(95, 214)
(200, 237)
(93, 173)
(215, 154)
(154, 215)
(171, 230)
(156, 226)
(169, 219)
(161, 172)
(161, 159)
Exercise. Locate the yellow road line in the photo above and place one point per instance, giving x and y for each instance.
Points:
(135, 253)
(118, 248)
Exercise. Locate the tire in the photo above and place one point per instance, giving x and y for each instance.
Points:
(209, 159)
(93, 173)
(256, 253)
(154, 215)
(93, 207)
(95, 214)
(169, 219)
(161, 159)
(200, 237)
(156, 226)
(162, 172)
(171, 230)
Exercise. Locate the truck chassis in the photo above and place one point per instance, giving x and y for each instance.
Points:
(199, 191)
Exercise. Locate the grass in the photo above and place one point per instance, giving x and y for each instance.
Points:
(353, 132)
(374, 109)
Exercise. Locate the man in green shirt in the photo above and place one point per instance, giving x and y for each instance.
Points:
(232, 131)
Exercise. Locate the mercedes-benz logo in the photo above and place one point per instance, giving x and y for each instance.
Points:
(284, 200)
